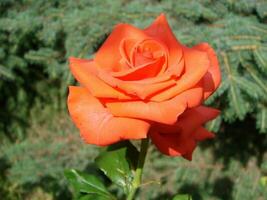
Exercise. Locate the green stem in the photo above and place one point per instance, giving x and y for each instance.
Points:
(139, 170)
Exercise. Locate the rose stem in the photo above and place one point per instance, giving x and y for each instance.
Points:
(139, 170)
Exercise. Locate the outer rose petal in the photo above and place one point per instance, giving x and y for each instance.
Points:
(172, 144)
(103, 85)
(81, 70)
(161, 30)
(180, 139)
(163, 112)
(196, 66)
(201, 134)
(88, 73)
(108, 56)
(97, 125)
(136, 88)
(190, 120)
(212, 78)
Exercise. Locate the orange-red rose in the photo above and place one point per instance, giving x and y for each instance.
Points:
(145, 83)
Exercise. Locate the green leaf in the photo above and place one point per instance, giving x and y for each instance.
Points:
(182, 197)
(86, 183)
(117, 162)
(93, 197)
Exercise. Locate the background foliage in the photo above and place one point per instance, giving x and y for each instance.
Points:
(37, 140)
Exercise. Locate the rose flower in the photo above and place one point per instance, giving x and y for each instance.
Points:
(145, 83)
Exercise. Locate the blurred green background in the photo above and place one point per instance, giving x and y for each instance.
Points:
(38, 140)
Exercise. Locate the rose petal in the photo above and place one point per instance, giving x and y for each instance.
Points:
(196, 66)
(161, 30)
(180, 139)
(102, 84)
(190, 120)
(195, 117)
(141, 72)
(82, 71)
(126, 50)
(163, 112)
(172, 144)
(202, 134)
(199, 135)
(136, 88)
(212, 78)
(160, 78)
(97, 125)
(108, 56)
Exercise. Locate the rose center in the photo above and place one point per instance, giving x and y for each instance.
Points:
(135, 54)
(146, 52)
